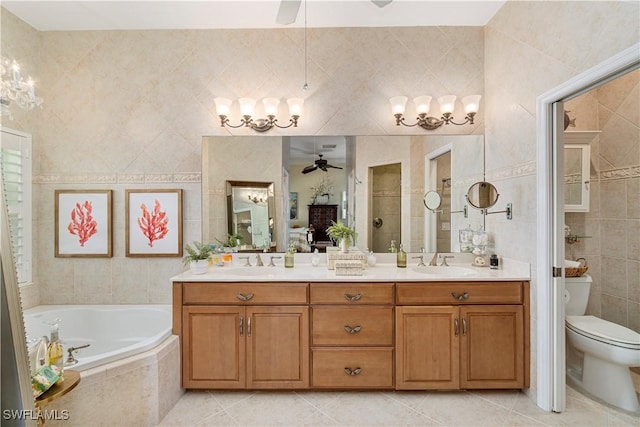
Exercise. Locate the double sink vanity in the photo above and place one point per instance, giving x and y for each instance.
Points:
(414, 328)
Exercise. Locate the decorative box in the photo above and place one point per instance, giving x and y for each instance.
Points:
(349, 268)
(335, 254)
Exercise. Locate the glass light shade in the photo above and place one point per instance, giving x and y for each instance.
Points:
(398, 104)
(423, 103)
(223, 105)
(246, 106)
(271, 106)
(471, 103)
(295, 106)
(447, 103)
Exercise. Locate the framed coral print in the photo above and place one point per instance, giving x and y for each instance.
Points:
(83, 223)
(153, 223)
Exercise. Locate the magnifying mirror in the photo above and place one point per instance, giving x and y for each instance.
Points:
(432, 200)
(482, 195)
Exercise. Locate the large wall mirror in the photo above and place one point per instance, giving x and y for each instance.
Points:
(355, 179)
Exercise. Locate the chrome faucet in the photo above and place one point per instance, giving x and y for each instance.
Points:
(421, 258)
(434, 260)
(271, 264)
(259, 261)
(248, 263)
(70, 359)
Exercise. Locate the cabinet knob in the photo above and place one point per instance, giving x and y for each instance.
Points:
(460, 297)
(351, 330)
(242, 297)
(353, 372)
(352, 298)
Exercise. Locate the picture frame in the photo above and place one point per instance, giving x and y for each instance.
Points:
(83, 223)
(293, 205)
(153, 223)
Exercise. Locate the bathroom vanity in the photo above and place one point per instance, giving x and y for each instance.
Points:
(415, 328)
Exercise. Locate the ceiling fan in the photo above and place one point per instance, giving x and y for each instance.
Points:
(319, 163)
(288, 10)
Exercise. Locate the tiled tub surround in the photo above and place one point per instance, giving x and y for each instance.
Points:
(141, 379)
(307, 327)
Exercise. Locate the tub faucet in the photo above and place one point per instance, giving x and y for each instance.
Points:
(259, 261)
(70, 359)
(434, 260)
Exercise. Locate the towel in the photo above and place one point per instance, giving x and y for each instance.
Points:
(571, 264)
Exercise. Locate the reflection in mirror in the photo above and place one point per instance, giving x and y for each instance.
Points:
(482, 195)
(250, 208)
(243, 158)
(432, 200)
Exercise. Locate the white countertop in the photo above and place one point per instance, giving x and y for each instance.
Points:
(385, 270)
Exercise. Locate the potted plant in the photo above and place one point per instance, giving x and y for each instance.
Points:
(232, 241)
(322, 191)
(342, 234)
(197, 257)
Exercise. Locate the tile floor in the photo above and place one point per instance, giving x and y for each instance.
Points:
(310, 408)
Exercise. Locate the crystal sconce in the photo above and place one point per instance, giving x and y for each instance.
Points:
(447, 104)
(14, 88)
(247, 105)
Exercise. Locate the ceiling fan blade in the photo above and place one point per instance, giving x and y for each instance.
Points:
(335, 167)
(381, 3)
(309, 169)
(288, 12)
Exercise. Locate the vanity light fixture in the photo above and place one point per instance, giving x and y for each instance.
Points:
(247, 105)
(14, 88)
(423, 103)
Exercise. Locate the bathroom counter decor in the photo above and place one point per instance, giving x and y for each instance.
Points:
(420, 328)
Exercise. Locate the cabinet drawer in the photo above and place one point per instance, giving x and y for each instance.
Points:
(349, 326)
(352, 293)
(352, 368)
(452, 293)
(250, 293)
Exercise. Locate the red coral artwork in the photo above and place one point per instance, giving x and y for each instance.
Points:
(153, 224)
(82, 222)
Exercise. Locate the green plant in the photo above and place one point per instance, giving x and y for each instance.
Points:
(232, 241)
(197, 252)
(339, 231)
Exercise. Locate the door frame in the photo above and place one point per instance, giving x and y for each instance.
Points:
(551, 383)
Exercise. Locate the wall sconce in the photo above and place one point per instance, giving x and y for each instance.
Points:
(247, 105)
(14, 88)
(423, 103)
(255, 199)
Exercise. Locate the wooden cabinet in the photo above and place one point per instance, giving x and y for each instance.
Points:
(244, 346)
(455, 337)
(321, 216)
(352, 335)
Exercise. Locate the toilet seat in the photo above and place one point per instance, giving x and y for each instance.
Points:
(604, 331)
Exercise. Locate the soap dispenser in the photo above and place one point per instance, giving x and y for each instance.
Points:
(55, 350)
(371, 258)
(288, 256)
(393, 248)
(315, 258)
(401, 258)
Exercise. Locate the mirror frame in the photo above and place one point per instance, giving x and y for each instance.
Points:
(426, 204)
(232, 225)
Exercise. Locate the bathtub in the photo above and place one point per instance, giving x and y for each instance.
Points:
(132, 364)
(113, 332)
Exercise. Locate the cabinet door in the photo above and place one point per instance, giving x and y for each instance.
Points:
(277, 347)
(492, 347)
(427, 348)
(577, 162)
(213, 347)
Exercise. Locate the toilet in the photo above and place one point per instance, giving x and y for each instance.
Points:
(599, 352)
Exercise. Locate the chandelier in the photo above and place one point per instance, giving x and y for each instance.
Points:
(15, 89)
(423, 103)
(247, 105)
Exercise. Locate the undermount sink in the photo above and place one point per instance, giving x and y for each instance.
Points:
(254, 271)
(444, 270)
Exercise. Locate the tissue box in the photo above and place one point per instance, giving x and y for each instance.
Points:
(334, 255)
(348, 268)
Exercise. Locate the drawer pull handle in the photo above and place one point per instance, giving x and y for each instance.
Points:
(460, 297)
(249, 326)
(353, 298)
(351, 330)
(241, 325)
(464, 326)
(352, 373)
(456, 326)
(244, 297)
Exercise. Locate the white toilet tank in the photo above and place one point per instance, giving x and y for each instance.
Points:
(576, 295)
